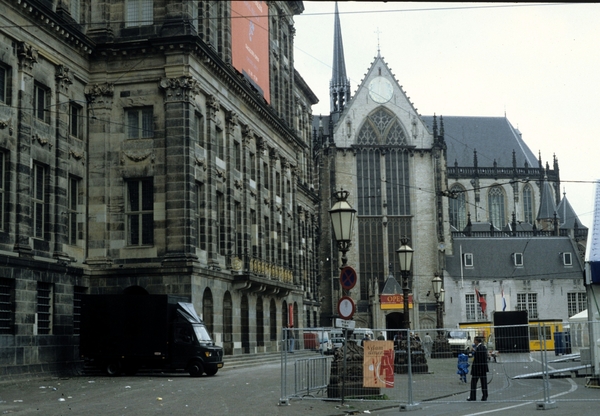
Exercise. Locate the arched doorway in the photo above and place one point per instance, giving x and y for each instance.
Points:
(227, 324)
(393, 322)
(260, 323)
(245, 325)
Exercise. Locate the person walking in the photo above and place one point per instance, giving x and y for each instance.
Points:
(427, 344)
(479, 370)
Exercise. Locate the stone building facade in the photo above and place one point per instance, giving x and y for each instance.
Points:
(137, 153)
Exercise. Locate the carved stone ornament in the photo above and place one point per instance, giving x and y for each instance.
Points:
(138, 156)
(179, 88)
(238, 184)
(41, 140)
(221, 174)
(214, 105)
(28, 55)
(63, 77)
(100, 93)
(200, 161)
(247, 135)
(76, 155)
(236, 264)
(232, 121)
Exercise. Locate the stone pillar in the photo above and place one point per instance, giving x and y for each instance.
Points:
(100, 97)
(61, 183)
(180, 178)
(23, 225)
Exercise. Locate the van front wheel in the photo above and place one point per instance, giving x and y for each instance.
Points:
(196, 369)
(113, 368)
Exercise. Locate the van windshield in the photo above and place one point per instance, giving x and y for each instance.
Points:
(457, 334)
(202, 334)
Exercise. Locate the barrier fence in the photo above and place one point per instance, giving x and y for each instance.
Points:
(526, 363)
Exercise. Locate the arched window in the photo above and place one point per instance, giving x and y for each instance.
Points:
(260, 323)
(273, 321)
(207, 311)
(496, 207)
(458, 207)
(528, 204)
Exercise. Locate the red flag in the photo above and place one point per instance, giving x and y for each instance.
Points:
(481, 300)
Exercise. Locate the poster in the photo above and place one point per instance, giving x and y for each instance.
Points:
(378, 364)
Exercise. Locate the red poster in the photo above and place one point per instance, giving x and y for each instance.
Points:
(250, 43)
(290, 316)
(378, 364)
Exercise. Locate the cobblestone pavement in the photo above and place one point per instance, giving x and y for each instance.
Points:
(257, 391)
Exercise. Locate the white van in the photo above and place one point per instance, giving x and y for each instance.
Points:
(359, 334)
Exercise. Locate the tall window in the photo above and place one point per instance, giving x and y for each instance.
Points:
(207, 311)
(496, 207)
(3, 193)
(39, 200)
(138, 13)
(528, 204)
(221, 230)
(252, 162)
(528, 302)
(458, 207)
(239, 230)
(368, 165)
(237, 155)
(140, 212)
(220, 144)
(273, 321)
(76, 120)
(73, 201)
(41, 99)
(397, 185)
(139, 123)
(576, 302)
(200, 215)
(199, 127)
(45, 303)
(78, 292)
(4, 84)
(473, 308)
(7, 293)
(371, 253)
(260, 323)
(266, 176)
(76, 10)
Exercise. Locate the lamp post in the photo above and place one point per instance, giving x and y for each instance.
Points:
(342, 219)
(439, 294)
(405, 254)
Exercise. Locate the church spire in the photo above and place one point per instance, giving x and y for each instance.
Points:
(339, 87)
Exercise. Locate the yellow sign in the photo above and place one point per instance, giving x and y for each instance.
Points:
(378, 364)
(394, 301)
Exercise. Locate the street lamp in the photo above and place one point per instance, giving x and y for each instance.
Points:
(342, 219)
(405, 254)
(439, 294)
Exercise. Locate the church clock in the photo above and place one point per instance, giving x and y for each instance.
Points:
(381, 90)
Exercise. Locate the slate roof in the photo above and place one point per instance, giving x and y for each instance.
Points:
(494, 138)
(567, 215)
(493, 260)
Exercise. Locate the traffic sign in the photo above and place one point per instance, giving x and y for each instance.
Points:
(345, 323)
(346, 307)
(348, 278)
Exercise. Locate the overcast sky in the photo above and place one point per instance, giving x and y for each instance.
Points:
(538, 63)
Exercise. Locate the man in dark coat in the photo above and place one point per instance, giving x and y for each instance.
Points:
(479, 370)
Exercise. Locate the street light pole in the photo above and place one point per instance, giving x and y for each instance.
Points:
(405, 254)
(342, 219)
(438, 292)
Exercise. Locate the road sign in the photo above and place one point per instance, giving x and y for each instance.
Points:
(345, 323)
(346, 307)
(348, 278)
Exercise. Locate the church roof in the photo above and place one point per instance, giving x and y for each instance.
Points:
(493, 258)
(494, 138)
(547, 205)
(567, 215)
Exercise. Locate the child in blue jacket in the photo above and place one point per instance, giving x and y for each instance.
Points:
(463, 367)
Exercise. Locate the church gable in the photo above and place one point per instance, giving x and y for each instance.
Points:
(380, 113)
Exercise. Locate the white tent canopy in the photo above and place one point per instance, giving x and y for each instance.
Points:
(579, 317)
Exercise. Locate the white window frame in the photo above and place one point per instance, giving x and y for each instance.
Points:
(41, 100)
(140, 231)
(518, 259)
(468, 259)
(567, 258)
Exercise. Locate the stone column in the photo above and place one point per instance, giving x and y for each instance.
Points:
(100, 97)
(23, 229)
(179, 163)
